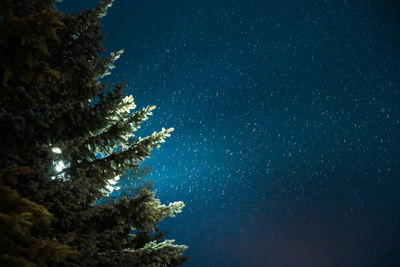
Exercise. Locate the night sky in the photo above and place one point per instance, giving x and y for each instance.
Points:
(286, 146)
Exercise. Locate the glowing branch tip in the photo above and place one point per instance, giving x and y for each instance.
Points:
(56, 150)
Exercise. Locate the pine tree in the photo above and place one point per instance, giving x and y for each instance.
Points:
(65, 136)
(128, 185)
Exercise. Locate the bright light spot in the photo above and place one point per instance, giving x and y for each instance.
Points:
(56, 150)
(112, 188)
(111, 182)
(114, 181)
(60, 166)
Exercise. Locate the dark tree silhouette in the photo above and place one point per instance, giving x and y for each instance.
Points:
(64, 136)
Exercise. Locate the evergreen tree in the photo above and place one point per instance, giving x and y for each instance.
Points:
(65, 135)
(128, 185)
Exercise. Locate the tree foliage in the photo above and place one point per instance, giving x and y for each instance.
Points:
(64, 136)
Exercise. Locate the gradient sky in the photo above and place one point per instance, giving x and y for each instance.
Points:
(286, 146)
